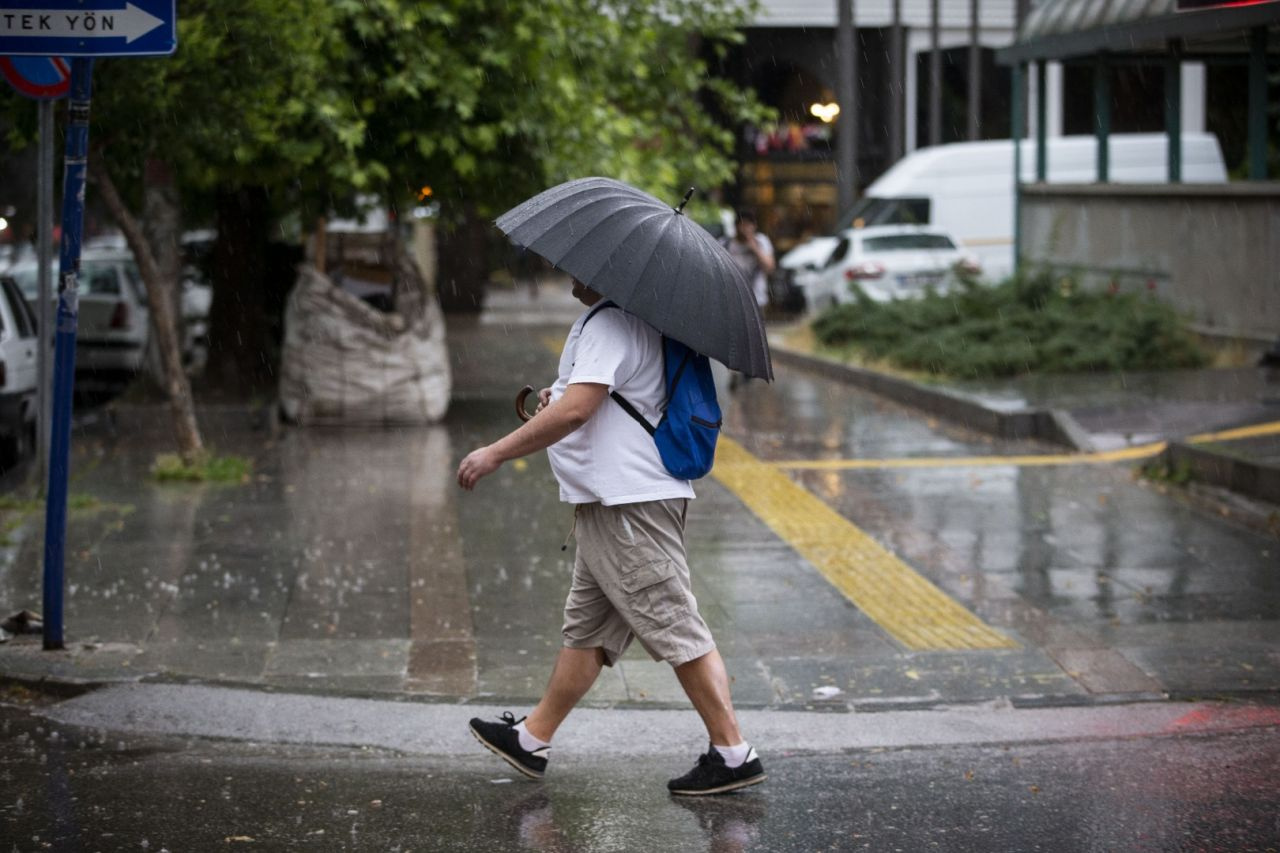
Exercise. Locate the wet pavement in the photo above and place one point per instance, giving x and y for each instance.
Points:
(351, 562)
(1126, 408)
(940, 640)
(71, 787)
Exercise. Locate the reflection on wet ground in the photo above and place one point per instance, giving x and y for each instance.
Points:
(69, 788)
(352, 562)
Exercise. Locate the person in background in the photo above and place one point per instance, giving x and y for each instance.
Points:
(753, 253)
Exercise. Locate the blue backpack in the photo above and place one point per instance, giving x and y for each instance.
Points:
(690, 424)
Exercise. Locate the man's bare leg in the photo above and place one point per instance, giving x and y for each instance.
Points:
(706, 682)
(574, 673)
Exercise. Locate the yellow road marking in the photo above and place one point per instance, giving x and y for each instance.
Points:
(1272, 428)
(901, 601)
(1127, 454)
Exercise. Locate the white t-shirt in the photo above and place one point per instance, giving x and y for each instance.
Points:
(611, 458)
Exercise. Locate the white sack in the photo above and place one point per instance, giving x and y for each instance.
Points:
(346, 362)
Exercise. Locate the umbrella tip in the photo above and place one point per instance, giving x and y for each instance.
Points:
(685, 201)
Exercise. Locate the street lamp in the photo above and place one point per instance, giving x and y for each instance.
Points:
(826, 112)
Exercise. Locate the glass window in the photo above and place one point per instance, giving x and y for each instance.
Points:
(838, 253)
(870, 210)
(27, 281)
(18, 307)
(96, 277)
(135, 278)
(99, 280)
(902, 211)
(903, 242)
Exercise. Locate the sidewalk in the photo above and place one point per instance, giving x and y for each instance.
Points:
(352, 563)
(1222, 426)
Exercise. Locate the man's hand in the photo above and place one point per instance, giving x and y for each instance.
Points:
(552, 422)
(479, 463)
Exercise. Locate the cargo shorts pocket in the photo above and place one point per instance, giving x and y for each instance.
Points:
(655, 596)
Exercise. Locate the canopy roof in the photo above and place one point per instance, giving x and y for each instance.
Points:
(1061, 29)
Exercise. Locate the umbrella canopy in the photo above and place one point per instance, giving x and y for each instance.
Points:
(649, 259)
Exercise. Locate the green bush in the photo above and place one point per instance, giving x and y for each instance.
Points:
(1028, 324)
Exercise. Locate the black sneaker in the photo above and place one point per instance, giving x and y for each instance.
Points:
(503, 740)
(711, 776)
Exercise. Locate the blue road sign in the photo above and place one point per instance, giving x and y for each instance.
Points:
(88, 27)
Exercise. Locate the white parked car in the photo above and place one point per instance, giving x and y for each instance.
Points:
(18, 375)
(888, 262)
(113, 322)
(113, 329)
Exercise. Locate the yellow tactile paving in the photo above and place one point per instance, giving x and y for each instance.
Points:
(902, 602)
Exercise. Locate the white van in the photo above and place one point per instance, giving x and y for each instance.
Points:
(967, 188)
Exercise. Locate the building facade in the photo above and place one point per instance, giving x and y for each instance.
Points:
(789, 171)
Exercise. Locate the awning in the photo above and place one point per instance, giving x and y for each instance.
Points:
(1061, 29)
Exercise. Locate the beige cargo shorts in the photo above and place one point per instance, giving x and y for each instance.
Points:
(630, 580)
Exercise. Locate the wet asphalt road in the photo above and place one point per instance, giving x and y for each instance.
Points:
(67, 788)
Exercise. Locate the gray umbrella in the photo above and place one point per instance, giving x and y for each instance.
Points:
(649, 259)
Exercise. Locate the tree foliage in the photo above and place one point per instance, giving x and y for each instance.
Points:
(308, 105)
(486, 101)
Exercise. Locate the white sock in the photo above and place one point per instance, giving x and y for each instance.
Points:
(735, 756)
(528, 742)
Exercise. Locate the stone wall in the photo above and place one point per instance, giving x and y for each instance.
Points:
(1212, 251)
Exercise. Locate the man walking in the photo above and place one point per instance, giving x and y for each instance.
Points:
(630, 578)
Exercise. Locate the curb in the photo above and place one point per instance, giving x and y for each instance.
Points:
(1256, 480)
(439, 728)
(1241, 476)
(1055, 426)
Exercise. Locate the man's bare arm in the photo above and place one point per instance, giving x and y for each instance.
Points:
(552, 423)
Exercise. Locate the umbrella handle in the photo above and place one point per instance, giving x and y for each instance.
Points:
(520, 410)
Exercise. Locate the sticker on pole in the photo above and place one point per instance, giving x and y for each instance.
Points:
(44, 78)
(89, 28)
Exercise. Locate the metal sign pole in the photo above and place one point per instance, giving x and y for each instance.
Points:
(44, 238)
(64, 362)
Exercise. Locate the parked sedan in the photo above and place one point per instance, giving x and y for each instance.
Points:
(112, 329)
(18, 376)
(888, 262)
(114, 332)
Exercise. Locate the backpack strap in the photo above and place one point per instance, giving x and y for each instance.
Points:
(618, 398)
(631, 410)
(596, 310)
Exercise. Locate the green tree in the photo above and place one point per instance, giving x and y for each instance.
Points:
(489, 101)
(246, 100)
(293, 108)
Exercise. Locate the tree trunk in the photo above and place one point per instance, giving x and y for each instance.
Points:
(160, 269)
(463, 268)
(241, 351)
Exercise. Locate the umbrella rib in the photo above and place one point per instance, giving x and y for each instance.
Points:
(641, 219)
(654, 257)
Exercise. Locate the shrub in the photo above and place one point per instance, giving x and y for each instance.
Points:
(1028, 324)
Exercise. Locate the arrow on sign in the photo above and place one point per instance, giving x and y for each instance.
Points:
(129, 23)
